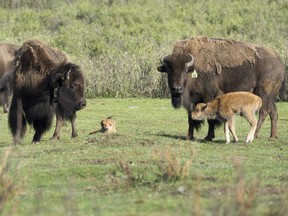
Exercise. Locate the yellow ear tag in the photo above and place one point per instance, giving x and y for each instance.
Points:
(194, 74)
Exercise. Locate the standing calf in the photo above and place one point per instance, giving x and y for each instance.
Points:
(225, 107)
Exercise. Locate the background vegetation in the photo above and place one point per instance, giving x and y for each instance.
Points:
(119, 43)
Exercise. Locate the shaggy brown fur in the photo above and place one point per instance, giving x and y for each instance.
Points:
(226, 106)
(39, 60)
(213, 54)
(200, 69)
(7, 57)
(44, 83)
(107, 126)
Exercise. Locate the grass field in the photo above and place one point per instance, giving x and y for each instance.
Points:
(147, 168)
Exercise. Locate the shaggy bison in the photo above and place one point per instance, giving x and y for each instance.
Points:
(200, 69)
(44, 81)
(225, 107)
(7, 56)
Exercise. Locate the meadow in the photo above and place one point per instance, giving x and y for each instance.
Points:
(148, 167)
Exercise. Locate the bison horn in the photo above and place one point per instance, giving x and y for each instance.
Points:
(190, 63)
(162, 60)
(67, 75)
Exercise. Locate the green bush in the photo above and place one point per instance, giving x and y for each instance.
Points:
(119, 43)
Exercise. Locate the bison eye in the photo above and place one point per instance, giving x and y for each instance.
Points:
(76, 86)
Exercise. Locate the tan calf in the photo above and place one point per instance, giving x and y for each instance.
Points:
(226, 106)
(107, 126)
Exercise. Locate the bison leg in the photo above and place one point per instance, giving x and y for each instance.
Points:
(268, 107)
(262, 116)
(40, 126)
(19, 123)
(192, 124)
(74, 131)
(16, 120)
(6, 100)
(273, 117)
(59, 123)
(211, 129)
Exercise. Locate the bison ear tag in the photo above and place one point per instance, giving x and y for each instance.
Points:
(194, 74)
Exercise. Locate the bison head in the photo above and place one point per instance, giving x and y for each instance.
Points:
(68, 87)
(177, 66)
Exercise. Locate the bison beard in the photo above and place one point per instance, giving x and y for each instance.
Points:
(44, 82)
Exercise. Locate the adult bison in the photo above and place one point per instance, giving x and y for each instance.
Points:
(201, 68)
(7, 56)
(44, 81)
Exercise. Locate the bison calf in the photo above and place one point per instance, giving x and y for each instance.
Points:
(225, 107)
(107, 126)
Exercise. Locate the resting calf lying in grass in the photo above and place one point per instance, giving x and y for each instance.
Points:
(107, 126)
(226, 106)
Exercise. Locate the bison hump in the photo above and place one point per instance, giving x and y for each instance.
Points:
(211, 55)
(34, 62)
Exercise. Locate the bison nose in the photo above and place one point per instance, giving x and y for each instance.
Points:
(84, 103)
(81, 105)
(177, 89)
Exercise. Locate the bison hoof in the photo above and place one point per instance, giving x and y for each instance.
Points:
(16, 142)
(191, 138)
(208, 138)
(273, 137)
(74, 135)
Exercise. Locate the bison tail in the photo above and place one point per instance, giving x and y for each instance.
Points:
(282, 90)
(12, 120)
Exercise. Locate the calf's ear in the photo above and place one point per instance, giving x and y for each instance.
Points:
(203, 107)
(162, 69)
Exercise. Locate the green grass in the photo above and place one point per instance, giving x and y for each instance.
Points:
(128, 173)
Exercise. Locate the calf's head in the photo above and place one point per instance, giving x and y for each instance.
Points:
(204, 111)
(108, 126)
(68, 89)
(200, 112)
(177, 66)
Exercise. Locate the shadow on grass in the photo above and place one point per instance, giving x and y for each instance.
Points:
(178, 137)
(172, 136)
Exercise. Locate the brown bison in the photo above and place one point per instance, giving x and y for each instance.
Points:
(225, 107)
(7, 56)
(200, 69)
(44, 81)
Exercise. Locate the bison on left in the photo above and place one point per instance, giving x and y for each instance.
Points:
(7, 56)
(44, 81)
